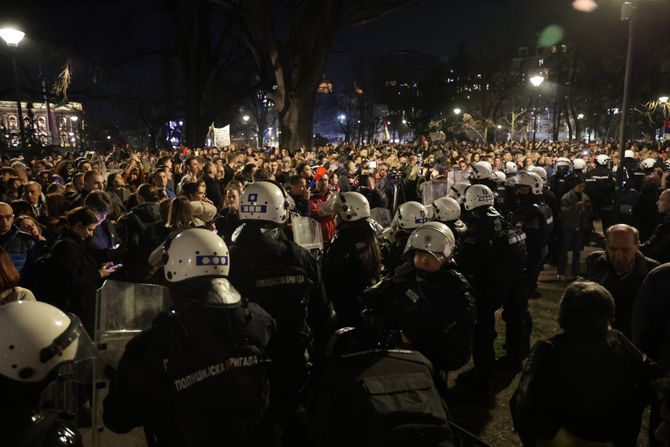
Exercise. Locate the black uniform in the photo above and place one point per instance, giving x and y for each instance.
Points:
(394, 251)
(493, 260)
(198, 376)
(599, 186)
(633, 176)
(285, 280)
(349, 267)
(536, 220)
(436, 314)
(561, 182)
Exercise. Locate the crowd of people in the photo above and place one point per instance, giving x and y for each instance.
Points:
(269, 343)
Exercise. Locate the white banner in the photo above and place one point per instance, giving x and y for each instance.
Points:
(220, 136)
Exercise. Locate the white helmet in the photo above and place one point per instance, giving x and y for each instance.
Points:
(648, 163)
(36, 338)
(510, 168)
(578, 164)
(264, 201)
(478, 195)
(563, 161)
(499, 177)
(457, 191)
(446, 209)
(629, 153)
(539, 170)
(411, 215)
(482, 170)
(352, 206)
(603, 159)
(531, 180)
(194, 253)
(433, 237)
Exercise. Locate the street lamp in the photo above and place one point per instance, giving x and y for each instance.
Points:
(536, 80)
(12, 38)
(457, 111)
(580, 116)
(663, 99)
(628, 12)
(245, 118)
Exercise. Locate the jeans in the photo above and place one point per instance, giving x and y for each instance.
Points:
(571, 240)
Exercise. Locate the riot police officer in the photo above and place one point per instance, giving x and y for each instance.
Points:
(633, 176)
(37, 339)
(536, 220)
(408, 217)
(285, 280)
(426, 304)
(600, 183)
(561, 181)
(447, 211)
(493, 259)
(352, 261)
(198, 376)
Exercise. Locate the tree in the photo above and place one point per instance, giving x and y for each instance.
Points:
(290, 42)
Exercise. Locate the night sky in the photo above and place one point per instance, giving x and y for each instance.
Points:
(105, 29)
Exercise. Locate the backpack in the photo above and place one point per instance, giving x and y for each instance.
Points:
(378, 398)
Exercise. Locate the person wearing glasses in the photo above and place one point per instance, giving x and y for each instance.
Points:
(22, 247)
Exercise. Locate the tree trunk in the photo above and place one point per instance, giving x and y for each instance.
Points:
(296, 122)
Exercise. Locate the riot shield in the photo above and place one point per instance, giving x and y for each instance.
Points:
(122, 311)
(433, 190)
(382, 216)
(307, 233)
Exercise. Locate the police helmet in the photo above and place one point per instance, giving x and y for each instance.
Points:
(539, 170)
(603, 159)
(36, 338)
(477, 196)
(578, 164)
(648, 163)
(264, 201)
(482, 170)
(446, 209)
(563, 162)
(434, 237)
(629, 153)
(352, 206)
(411, 215)
(499, 177)
(510, 168)
(532, 180)
(193, 253)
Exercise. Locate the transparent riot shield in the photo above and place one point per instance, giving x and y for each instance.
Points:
(122, 311)
(433, 190)
(382, 216)
(307, 233)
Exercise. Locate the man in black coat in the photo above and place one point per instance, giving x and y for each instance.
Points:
(621, 268)
(658, 245)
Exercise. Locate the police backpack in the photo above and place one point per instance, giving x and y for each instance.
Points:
(378, 398)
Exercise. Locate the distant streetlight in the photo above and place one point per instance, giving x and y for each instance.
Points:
(457, 111)
(663, 99)
(245, 118)
(342, 117)
(580, 116)
(12, 38)
(404, 121)
(108, 137)
(74, 119)
(536, 80)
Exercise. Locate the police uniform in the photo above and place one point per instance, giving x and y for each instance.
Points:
(198, 377)
(284, 279)
(599, 186)
(493, 279)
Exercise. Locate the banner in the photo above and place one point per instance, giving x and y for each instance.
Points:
(220, 136)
